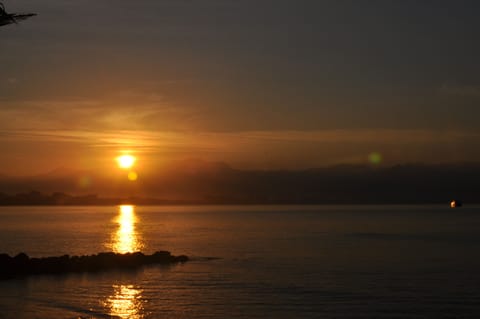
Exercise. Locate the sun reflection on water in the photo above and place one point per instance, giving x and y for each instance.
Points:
(126, 239)
(126, 302)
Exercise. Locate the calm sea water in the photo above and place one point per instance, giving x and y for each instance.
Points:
(273, 262)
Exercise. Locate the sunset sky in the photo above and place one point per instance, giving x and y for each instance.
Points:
(264, 84)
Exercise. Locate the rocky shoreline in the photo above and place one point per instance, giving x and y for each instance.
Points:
(22, 265)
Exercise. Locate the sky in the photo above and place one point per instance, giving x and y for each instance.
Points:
(268, 84)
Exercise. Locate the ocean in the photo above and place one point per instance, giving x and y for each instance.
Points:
(251, 262)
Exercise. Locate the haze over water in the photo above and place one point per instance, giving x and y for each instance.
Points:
(273, 262)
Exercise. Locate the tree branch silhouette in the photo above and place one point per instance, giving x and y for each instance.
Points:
(9, 18)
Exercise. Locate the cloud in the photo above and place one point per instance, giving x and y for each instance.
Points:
(274, 148)
(128, 109)
(158, 138)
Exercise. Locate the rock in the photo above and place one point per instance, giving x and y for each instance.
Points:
(21, 265)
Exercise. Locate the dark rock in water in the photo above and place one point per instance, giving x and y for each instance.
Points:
(21, 265)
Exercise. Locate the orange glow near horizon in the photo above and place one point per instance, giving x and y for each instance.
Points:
(126, 161)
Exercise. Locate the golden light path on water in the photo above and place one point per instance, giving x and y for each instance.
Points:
(126, 300)
(126, 239)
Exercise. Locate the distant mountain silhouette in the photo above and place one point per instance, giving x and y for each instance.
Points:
(218, 183)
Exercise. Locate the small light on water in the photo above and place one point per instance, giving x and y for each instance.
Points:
(455, 203)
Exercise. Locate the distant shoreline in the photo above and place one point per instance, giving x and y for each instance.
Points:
(35, 198)
(219, 184)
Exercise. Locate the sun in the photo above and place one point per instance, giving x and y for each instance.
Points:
(126, 161)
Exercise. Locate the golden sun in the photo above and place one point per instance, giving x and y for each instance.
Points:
(126, 161)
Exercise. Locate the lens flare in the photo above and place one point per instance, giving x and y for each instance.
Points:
(132, 176)
(375, 158)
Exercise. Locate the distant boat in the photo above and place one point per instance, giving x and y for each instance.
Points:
(455, 203)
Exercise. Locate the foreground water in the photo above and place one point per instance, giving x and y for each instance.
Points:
(272, 262)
